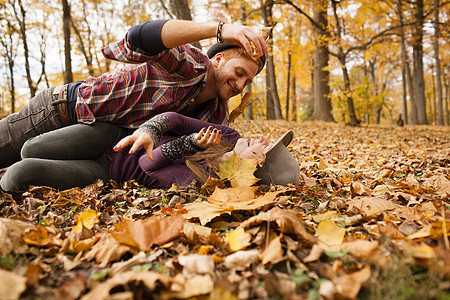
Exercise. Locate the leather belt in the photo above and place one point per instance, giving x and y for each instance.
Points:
(60, 100)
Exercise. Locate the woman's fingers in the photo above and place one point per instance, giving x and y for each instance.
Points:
(209, 137)
(136, 140)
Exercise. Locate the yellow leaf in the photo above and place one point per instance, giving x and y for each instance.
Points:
(238, 171)
(273, 252)
(41, 237)
(238, 239)
(330, 235)
(87, 219)
(224, 201)
(422, 251)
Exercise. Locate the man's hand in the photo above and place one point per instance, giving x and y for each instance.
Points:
(137, 139)
(209, 137)
(244, 37)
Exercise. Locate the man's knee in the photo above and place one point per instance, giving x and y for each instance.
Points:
(20, 175)
(29, 148)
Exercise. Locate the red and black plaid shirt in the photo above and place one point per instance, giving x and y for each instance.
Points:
(167, 81)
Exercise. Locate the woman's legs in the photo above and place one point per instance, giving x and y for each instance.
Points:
(79, 141)
(59, 174)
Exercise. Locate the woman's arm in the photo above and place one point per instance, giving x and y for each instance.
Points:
(151, 131)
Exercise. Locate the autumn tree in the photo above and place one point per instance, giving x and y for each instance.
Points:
(440, 108)
(9, 45)
(272, 100)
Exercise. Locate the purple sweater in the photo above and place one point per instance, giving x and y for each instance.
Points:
(162, 172)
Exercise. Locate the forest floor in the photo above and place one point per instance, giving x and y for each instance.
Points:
(370, 220)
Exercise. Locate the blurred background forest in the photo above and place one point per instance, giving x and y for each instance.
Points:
(349, 61)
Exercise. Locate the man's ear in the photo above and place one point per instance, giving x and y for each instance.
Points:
(217, 59)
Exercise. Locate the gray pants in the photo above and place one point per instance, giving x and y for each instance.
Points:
(64, 158)
(38, 116)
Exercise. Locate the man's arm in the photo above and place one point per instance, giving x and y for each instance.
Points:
(179, 32)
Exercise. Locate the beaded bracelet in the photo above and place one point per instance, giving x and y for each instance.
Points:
(219, 32)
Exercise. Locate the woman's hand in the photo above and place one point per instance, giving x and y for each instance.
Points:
(137, 139)
(209, 137)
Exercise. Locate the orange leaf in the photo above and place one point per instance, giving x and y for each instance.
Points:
(87, 219)
(142, 234)
(238, 239)
(41, 237)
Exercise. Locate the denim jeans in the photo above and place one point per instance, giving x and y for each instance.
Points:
(64, 158)
(38, 116)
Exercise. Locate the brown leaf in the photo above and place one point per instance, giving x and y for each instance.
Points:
(371, 206)
(348, 286)
(224, 201)
(107, 249)
(72, 288)
(142, 234)
(288, 221)
(11, 232)
(151, 280)
(11, 285)
(273, 252)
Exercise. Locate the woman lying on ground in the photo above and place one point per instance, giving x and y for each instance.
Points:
(64, 159)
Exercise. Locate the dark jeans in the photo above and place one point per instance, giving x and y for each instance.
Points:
(64, 158)
(38, 116)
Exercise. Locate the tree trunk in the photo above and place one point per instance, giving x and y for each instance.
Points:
(405, 102)
(7, 42)
(273, 101)
(405, 62)
(418, 65)
(294, 99)
(447, 96)
(23, 34)
(322, 102)
(288, 84)
(68, 76)
(353, 121)
(181, 10)
(440, 109)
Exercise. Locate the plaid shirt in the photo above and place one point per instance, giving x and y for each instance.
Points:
(167, 81)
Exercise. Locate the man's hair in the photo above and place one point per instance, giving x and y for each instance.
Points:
(240, 52)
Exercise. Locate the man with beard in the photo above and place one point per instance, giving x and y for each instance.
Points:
(164, 73)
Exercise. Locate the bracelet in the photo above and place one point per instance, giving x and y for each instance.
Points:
(219, 32)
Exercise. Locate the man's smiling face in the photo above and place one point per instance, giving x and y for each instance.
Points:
(232, 75)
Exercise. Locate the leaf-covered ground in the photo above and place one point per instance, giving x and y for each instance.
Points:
(369, 220)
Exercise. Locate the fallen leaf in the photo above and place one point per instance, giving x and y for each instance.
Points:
(238, 239)
(108, 249)
(349, 285)
(72, 288)
(238, 171)
(87, 219)
(372, 206)
(105, 290)
(273, 252)
(11, 232)
(196, 264)
(361, 248)
(11, 285)
(288, 221)
(330, 235)
(224, 201)
(314, 255)
(241, 260)
(191, 287)
(142, 234)
(40, 236)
